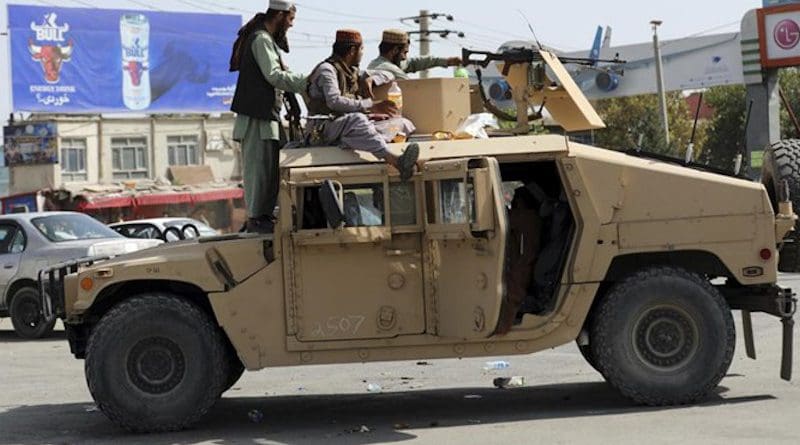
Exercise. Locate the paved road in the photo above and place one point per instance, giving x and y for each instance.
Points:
(43, 399)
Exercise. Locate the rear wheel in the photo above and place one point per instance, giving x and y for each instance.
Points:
(155, 363)
(663, 336)
(26, 314)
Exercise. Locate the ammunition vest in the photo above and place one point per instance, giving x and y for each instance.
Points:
(347, 77)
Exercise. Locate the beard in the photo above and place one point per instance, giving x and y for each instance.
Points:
(397, 60)
(281, 39)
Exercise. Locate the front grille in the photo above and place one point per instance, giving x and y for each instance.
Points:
(51, 284)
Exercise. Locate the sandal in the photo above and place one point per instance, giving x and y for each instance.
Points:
(407, 161)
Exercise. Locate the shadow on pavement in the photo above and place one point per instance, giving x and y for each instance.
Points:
(8, 336)
(390, 417)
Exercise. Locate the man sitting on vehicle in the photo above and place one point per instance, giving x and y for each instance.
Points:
(342, 96)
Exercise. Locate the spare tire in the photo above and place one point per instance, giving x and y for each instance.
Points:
(782, 163)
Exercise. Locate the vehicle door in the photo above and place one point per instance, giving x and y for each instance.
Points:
(12, 244)
(465, 236)
(363, 280)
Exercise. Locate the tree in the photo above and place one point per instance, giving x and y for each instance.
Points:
(725, 131)
(635, 122)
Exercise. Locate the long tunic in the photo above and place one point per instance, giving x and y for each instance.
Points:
(412, 65)
(260, 139)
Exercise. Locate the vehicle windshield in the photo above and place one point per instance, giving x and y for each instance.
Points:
(72, 227)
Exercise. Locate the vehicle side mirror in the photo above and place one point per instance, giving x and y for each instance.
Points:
(332, 203)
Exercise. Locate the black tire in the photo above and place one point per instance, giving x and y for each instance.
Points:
(782, 163)
(586, 352)
(155, 363)
(663, 336)
(234, 370)
(26, 314)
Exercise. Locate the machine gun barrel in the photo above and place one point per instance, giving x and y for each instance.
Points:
(522, 55)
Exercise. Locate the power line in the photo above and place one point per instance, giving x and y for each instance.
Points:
(341, 14)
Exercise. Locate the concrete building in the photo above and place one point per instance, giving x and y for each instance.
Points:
(101, 159)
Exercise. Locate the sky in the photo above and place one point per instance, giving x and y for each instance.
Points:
(564, 25)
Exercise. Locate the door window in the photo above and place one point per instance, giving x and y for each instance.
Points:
(8, 234)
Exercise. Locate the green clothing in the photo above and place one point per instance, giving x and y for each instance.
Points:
(261, 139)
(270, 63)
(407, 66)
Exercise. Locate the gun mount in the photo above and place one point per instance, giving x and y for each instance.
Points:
(538, 78)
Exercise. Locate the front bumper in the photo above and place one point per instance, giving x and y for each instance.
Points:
(773, 300)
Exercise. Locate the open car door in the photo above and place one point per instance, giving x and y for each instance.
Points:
(465, 242)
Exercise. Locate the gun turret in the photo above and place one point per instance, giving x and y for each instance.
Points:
(532, 84)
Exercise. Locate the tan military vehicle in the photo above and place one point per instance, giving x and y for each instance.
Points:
(496, 247)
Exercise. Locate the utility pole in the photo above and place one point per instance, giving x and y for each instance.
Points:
(424, 20)
(662, 98)
(424, 38)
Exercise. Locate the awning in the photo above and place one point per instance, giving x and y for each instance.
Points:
(106, 202)
(218, 195)
(155, 199)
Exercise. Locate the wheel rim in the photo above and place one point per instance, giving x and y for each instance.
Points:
(27, 312)
(156, 365)
(665, 338)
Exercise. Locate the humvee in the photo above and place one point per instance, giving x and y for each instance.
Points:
(495, 247)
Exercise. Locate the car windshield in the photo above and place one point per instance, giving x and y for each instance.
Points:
(72, 227)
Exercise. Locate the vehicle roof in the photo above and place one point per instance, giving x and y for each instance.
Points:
(155, 221)
(429, 150)
(29, 216)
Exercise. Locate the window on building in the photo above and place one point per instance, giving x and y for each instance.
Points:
(183, 150)
(129, 158)
(73, 160)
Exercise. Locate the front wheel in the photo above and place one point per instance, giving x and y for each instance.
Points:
(26, 314)
(663, 336)
(155, 363)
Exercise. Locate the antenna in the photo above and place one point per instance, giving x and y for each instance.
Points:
(524, 17)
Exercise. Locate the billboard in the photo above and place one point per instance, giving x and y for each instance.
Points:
(779, 36)
(88, 60)
(30, 143)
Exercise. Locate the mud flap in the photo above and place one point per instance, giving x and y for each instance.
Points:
(788, 346)
(747, 330)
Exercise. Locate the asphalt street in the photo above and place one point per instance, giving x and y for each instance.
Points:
(44, 399)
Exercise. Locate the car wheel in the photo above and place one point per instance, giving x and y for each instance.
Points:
(26, 314)
(663, 336)
(155, 363)
(782, 163)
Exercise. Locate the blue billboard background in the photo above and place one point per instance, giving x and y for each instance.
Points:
(70, 60)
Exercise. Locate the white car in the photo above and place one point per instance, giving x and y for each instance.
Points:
(30, 242)
(165, 229)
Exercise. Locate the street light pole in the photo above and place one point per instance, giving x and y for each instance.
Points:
(662, 98)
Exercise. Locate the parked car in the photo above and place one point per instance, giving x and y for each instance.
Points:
(165, 229)
(30, 242)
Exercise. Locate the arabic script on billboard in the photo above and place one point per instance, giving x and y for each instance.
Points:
(78, 60)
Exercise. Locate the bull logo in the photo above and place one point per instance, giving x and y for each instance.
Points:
(50, 53)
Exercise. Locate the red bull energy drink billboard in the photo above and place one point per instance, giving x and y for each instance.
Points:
(88, 60)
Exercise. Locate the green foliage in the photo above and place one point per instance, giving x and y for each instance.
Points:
(725, 131)
(635, 122)
(790, 84)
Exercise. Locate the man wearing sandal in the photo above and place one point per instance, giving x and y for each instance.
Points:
(340, 93)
